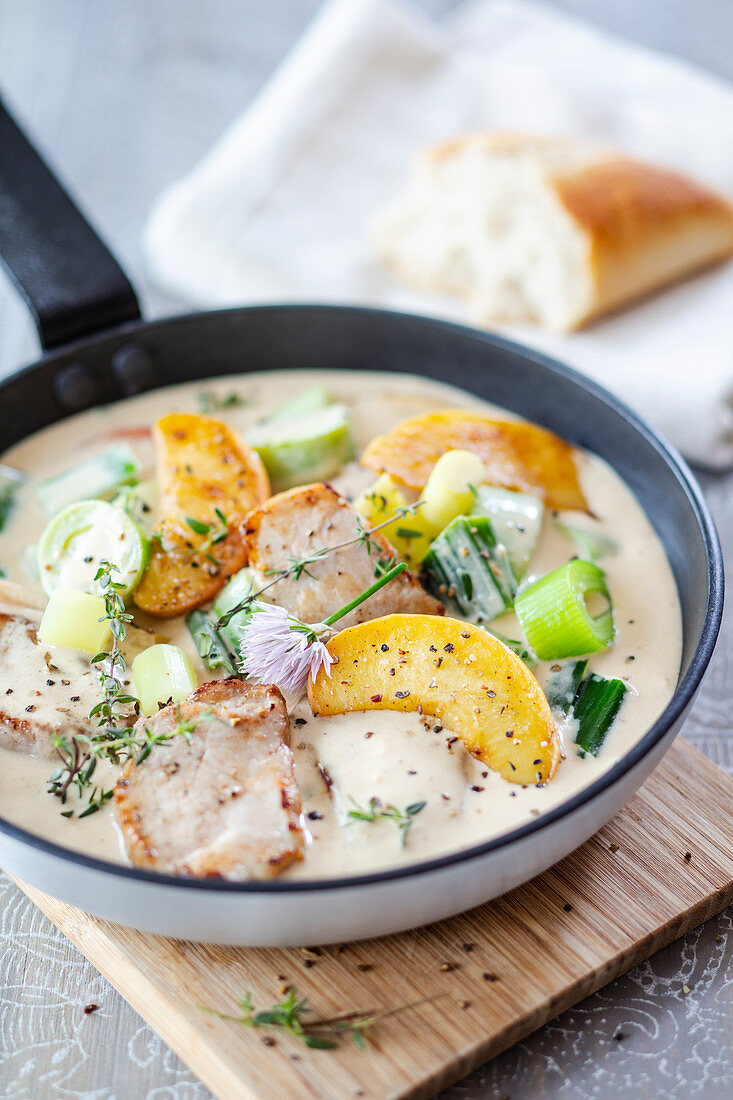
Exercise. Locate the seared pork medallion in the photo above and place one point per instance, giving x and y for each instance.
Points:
(462, 618)
(216, 797)
(44, 692)
(51, 693)
(297, 525)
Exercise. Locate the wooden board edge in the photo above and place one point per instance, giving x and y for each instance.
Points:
(577, 991)
(101, 950)
(225, 1081)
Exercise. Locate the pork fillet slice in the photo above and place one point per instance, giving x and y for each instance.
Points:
(300, 521)
(222, 803)
(44, 691)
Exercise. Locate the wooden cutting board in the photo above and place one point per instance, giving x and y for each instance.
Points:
(486, 979)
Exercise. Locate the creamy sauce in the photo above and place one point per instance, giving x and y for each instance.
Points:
(401, 759)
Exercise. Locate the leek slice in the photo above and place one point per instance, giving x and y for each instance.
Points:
(80, 537)
(75, 619)
(93, 478)
(468, 570)
(162, 674)
(10, 482)
(516, 519)
(237, 589)
(562, 687)
(553, 614)
(589, 545)
(308, 401)
(596, 706)
(312, 448)
(212, 649)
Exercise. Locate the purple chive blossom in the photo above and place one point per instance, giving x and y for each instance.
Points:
(277, 648)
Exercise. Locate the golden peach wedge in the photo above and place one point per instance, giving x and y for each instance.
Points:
(205, 472)
(515, 454)
(455, 672)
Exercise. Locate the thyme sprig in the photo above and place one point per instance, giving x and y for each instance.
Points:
(114, 739)
(215, 533)
(294, 1016)
(110, 664)
(81, 753)
(377, 812)
(296, 567)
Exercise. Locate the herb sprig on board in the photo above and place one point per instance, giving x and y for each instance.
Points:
(296, 567)
(293, 1016)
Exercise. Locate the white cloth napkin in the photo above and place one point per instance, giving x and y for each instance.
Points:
(277, 209)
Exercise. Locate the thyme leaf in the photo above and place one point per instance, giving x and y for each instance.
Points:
(375, 811)
(294, 1016)
(114, 738)
(215, 533)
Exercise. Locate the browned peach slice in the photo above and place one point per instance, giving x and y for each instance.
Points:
(205, 471)
(516, 454)
(453, 671)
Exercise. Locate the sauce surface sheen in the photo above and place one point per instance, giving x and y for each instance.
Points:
(399, 758)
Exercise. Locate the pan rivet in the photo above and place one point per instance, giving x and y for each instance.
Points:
(75, 387)
(132, 366)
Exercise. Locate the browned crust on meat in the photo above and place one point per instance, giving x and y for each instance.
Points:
(319, 495)
(35, 734)
(218, 692)
(231, 701)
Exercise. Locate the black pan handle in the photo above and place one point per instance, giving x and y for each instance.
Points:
(71, 281)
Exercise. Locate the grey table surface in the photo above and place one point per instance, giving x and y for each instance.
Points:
(125, 96)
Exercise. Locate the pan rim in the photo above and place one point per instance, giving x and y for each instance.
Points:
(674, 710)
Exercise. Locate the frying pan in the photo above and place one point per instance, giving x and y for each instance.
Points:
(97, 349)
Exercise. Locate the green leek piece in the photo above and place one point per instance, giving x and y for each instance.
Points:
(468, 570)
(312, 448)
(522, 651)
(562, 686)
(304, 403)
(237, 589)
(516, 519)
(552, 612)
(596, 706)
(95, 477)
(589, 545)
(79, 538)
(211, 647)
(162, 674)
(10, 482)
(75, 619)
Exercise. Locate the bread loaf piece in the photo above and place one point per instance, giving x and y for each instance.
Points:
(546, 230)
